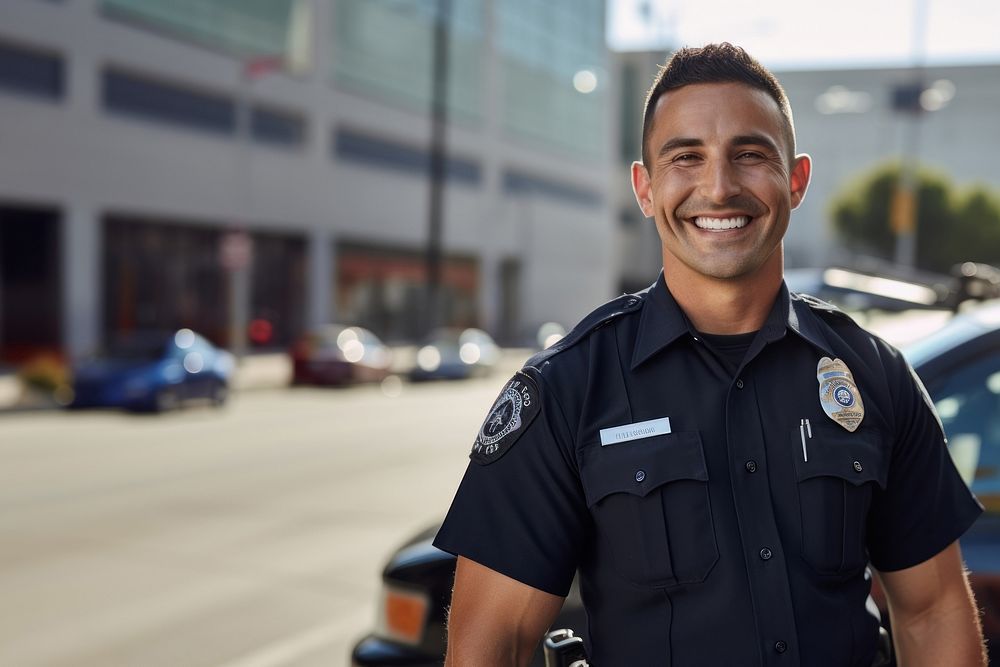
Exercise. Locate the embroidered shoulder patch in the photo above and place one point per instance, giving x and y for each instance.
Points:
(512, 412)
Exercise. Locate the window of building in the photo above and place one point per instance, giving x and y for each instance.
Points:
(277, 127)
(28, 72)
(160, 275)
(386, 48)
(543, 46)
(180, 105)
(134, 95)
(244, 27)
(278, 289)
(519, 182)
(30, 282)
(387, 154)
(167, 274)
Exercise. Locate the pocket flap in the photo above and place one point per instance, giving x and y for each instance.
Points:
(858, 457)
(639, 466)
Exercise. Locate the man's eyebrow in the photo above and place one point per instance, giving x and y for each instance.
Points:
(755, 140)
(679, 142)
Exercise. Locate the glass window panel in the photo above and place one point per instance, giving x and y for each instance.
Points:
(246, 27)
(29, 72)
(386, 47)
(135, 95)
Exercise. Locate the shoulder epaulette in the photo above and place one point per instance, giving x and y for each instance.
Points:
(603, 315)
(816, 303)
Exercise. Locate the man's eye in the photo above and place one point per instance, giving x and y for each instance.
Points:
(747, 156)
(685, 157)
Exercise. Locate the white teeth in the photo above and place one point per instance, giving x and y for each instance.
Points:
(721, 224)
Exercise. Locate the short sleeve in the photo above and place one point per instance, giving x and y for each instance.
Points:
(523, 514)
(925, 506)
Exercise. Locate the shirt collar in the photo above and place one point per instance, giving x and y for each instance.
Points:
(662, 322)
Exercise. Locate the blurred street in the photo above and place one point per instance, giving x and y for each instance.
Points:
(246, 537)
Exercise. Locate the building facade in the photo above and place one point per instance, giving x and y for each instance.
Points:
(161, 166)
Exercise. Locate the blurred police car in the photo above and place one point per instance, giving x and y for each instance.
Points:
(960, 366)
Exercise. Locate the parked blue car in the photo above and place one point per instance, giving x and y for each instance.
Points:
(154, 371)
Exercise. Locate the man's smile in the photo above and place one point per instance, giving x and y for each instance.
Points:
(721, 224)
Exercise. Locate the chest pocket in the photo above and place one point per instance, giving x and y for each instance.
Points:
(649, 499)
(835, 487)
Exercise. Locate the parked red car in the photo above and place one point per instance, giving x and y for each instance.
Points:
(334, 354)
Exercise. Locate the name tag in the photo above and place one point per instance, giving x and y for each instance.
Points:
(612, 436)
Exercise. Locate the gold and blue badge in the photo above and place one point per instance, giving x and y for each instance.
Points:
(838, 393)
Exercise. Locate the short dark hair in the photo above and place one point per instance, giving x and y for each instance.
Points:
(715, 63)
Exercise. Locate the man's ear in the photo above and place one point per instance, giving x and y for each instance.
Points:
(641, 188)
(799, 182)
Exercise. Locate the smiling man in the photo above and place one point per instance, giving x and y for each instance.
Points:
(720, 459)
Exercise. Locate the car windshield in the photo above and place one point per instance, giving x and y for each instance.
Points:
(146, 347)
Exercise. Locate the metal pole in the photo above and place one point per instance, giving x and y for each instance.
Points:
(907, 196)
(906, 202)
(239, 272)
(435, 210)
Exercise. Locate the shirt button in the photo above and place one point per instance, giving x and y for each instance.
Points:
(765, 554)
(640, 475)
(751, 466)
(739, 384)
(857, 466)
(780, 646)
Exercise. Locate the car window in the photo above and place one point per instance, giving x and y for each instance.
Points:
(968, 400)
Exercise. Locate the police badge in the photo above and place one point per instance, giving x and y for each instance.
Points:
(512, 412)
(838, 393)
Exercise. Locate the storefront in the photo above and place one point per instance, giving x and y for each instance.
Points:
(384, 289)
(164, 275)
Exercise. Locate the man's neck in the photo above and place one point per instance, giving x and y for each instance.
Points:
(724, 306)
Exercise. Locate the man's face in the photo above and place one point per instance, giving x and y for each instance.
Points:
(719, 186)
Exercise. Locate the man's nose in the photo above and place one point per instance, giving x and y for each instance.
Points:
(721, 181)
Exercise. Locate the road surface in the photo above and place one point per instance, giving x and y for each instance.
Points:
(251, 536)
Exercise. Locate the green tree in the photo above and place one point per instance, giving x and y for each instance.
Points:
(952, 226)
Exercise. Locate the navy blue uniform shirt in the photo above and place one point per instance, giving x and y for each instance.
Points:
(716, 518)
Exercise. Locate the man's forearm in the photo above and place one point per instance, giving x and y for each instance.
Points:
(488, 651)
(950, 636)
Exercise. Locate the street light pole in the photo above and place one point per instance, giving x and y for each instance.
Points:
(437, 165)
(908, 101)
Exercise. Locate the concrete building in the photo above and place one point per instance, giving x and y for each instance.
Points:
(132, 193)
(850, 122)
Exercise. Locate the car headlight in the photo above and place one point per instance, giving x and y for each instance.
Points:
(402, 614)
(470, 353)
(429, 358)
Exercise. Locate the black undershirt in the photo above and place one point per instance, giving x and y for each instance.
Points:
(729, 348)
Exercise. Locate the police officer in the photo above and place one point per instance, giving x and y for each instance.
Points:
(720, 459)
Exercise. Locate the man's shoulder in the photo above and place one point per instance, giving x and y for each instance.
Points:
(842, 328)
(827, 313)
(818, 305)
(603, 316)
